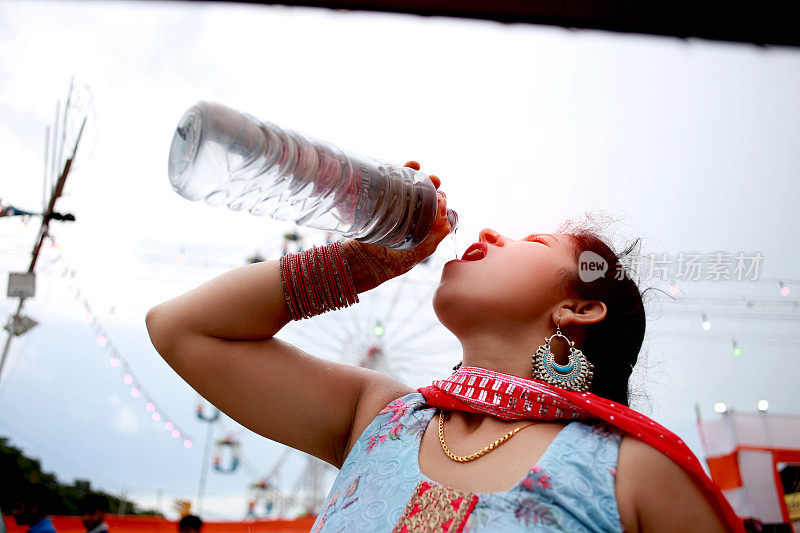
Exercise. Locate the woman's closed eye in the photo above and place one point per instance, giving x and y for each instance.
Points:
(534, 238)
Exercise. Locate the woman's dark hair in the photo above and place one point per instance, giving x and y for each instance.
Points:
(611, 345)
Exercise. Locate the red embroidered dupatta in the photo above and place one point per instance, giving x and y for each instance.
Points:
(477, 390)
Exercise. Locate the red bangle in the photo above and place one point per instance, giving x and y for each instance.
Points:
(317, 280)
(288, 289)
(300, 284)
(337, 300)
(308, 274)
(318, 264)
(312, 302)
(293, 282)
(337, 276)
(350, 290)
(295, 287)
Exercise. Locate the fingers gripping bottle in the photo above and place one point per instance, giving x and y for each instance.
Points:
(226, 157)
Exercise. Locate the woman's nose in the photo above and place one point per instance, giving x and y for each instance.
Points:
(491, 237)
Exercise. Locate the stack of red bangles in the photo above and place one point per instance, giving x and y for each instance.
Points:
(316, 281)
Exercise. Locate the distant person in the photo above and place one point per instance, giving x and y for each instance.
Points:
(190, 524)
(93, 509)
(30, 509)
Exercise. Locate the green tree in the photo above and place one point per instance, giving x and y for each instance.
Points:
(18, 471)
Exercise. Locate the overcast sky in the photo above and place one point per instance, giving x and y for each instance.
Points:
(691, 144)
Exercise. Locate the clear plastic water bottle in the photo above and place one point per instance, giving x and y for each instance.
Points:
(226, 157)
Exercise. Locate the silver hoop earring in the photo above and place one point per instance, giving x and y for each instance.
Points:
(576, 375)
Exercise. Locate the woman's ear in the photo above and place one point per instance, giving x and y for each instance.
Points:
(592, 311)
(581, 313)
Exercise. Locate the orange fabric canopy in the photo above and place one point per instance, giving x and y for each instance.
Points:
(151, 524)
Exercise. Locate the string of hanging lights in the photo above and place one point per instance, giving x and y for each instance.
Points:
(115, 358)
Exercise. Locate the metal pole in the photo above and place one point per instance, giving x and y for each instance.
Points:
(46, 160)
(204, 469)
(10, 336)
(53, 162)
(5, 351)
(56, 193)
(44, 210)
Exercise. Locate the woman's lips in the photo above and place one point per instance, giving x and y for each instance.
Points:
(476, 252)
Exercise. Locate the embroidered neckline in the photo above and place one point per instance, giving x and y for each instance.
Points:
(415, 452)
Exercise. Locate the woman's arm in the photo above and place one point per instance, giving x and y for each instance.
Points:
(219, 337)
(663, 495)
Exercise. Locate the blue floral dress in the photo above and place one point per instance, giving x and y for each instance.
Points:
(380, 487)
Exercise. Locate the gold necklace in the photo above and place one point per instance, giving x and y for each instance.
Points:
(480, 453)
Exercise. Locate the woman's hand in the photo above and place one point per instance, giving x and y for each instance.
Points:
(372, 265)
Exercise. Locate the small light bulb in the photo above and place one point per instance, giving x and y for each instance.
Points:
(763, 405)
(720, 407)
(128, 379)
(156, 417)
(135, 392)
(150, 406)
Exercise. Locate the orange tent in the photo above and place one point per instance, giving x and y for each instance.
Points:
(151, 524)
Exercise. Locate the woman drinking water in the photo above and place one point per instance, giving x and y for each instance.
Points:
(531, 432)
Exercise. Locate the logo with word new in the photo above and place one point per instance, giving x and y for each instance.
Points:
(591, 266)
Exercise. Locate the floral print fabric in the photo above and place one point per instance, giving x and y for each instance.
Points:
(570, 488)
